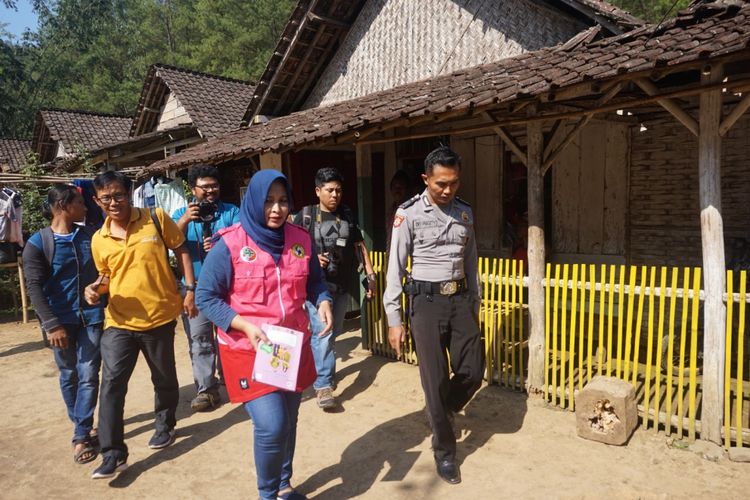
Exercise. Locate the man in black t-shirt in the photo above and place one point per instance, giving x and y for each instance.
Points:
(340, 248)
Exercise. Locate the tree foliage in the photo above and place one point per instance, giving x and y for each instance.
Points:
(94, 54)
(652, 11)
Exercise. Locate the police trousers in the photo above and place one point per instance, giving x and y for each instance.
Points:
(443, 325)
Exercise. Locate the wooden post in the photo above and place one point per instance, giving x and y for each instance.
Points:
(364, 209)
(535, 151)
(714, 268)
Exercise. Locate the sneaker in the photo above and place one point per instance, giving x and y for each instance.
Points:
(161, 439)
(325, 398)
(291, 495)
(205, 401)
(110, 467)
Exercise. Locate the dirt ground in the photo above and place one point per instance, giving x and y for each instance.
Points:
(377, 446)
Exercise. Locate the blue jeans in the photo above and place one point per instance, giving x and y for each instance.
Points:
(274, 419)
(323, 348)
(79, 375)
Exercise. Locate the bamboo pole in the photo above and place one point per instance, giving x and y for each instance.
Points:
(712, 237)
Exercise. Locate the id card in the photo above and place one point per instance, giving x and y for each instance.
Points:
(341, 242)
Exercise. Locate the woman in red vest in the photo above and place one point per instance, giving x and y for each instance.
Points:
(261, 271)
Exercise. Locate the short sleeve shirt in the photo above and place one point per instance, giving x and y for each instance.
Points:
(142, 289)
(335, 234)
(226, 215)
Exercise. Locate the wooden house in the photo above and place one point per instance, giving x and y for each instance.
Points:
(624, 149)
(62, 136)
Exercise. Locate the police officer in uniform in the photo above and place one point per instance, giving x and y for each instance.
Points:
(436, 229)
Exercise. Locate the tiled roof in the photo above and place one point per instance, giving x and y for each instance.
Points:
(298, 74)
(83, 128)
(214, 103)
(13, 153)
(707, 30)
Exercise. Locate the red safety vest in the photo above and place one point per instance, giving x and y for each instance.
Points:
(265, 292)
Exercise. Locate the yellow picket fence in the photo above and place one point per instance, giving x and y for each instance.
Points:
(502, 320)
(638, 323)
(642, 325)
(737, 365)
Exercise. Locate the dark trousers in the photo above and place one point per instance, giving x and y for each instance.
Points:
(441, 323)
(120, 350)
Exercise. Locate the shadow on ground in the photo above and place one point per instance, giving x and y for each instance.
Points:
(392, 444)
(188, 438)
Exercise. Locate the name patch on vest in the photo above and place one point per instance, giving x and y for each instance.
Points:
(247, 254)
(298, 251)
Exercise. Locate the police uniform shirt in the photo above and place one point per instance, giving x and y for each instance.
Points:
(440, 242)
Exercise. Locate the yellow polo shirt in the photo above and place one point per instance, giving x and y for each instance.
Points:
(142, 289)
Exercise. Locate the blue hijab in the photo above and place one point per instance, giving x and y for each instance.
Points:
(252, 216)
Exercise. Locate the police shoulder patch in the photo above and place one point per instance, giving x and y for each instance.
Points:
(398, 220)
(462, 201)
(411, 201)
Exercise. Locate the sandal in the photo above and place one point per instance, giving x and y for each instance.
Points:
(86, 454)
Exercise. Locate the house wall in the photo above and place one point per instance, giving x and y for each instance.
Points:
(589, 195)
(393, 42)
(173, 114)
(664, 224)
(481, 186)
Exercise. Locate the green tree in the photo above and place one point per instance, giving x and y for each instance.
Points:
(652, 11)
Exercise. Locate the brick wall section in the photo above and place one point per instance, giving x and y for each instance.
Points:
(664, 223)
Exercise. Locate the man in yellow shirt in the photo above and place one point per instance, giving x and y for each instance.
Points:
(130, 255)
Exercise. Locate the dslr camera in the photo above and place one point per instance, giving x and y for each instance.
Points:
(334, 262)
(207, 210)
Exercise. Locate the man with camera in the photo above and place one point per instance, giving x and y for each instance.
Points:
(202, 218)
(338, 243)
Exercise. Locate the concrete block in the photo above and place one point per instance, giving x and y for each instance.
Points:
(606, 411)
(737, 454)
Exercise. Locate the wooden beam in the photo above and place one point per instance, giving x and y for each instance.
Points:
(682, 116)
(535, 195)
(287, 53)
(552, 138)
(327, 20)
(712, 239)
(549, 160)
(735, 115)
(512, 144)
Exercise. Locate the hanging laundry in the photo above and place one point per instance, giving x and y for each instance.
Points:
(11, 215)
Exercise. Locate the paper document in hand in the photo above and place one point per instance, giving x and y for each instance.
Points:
(277, 363)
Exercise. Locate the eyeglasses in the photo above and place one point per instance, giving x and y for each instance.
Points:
(208, 187)
(117, 198)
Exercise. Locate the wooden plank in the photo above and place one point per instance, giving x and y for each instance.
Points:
(465, 148)
(488, 213)
(535, 196)
(712, 238)
(615, 189)
(591, 189)
(512, 144)
(734, 115)
(565, 200)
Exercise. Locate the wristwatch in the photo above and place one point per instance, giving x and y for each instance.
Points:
(371, 277)
(190, 288)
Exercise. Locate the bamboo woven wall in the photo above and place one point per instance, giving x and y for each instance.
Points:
(664, 219)
(393, 42)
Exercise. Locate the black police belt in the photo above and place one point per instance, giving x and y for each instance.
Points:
(414, 287)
